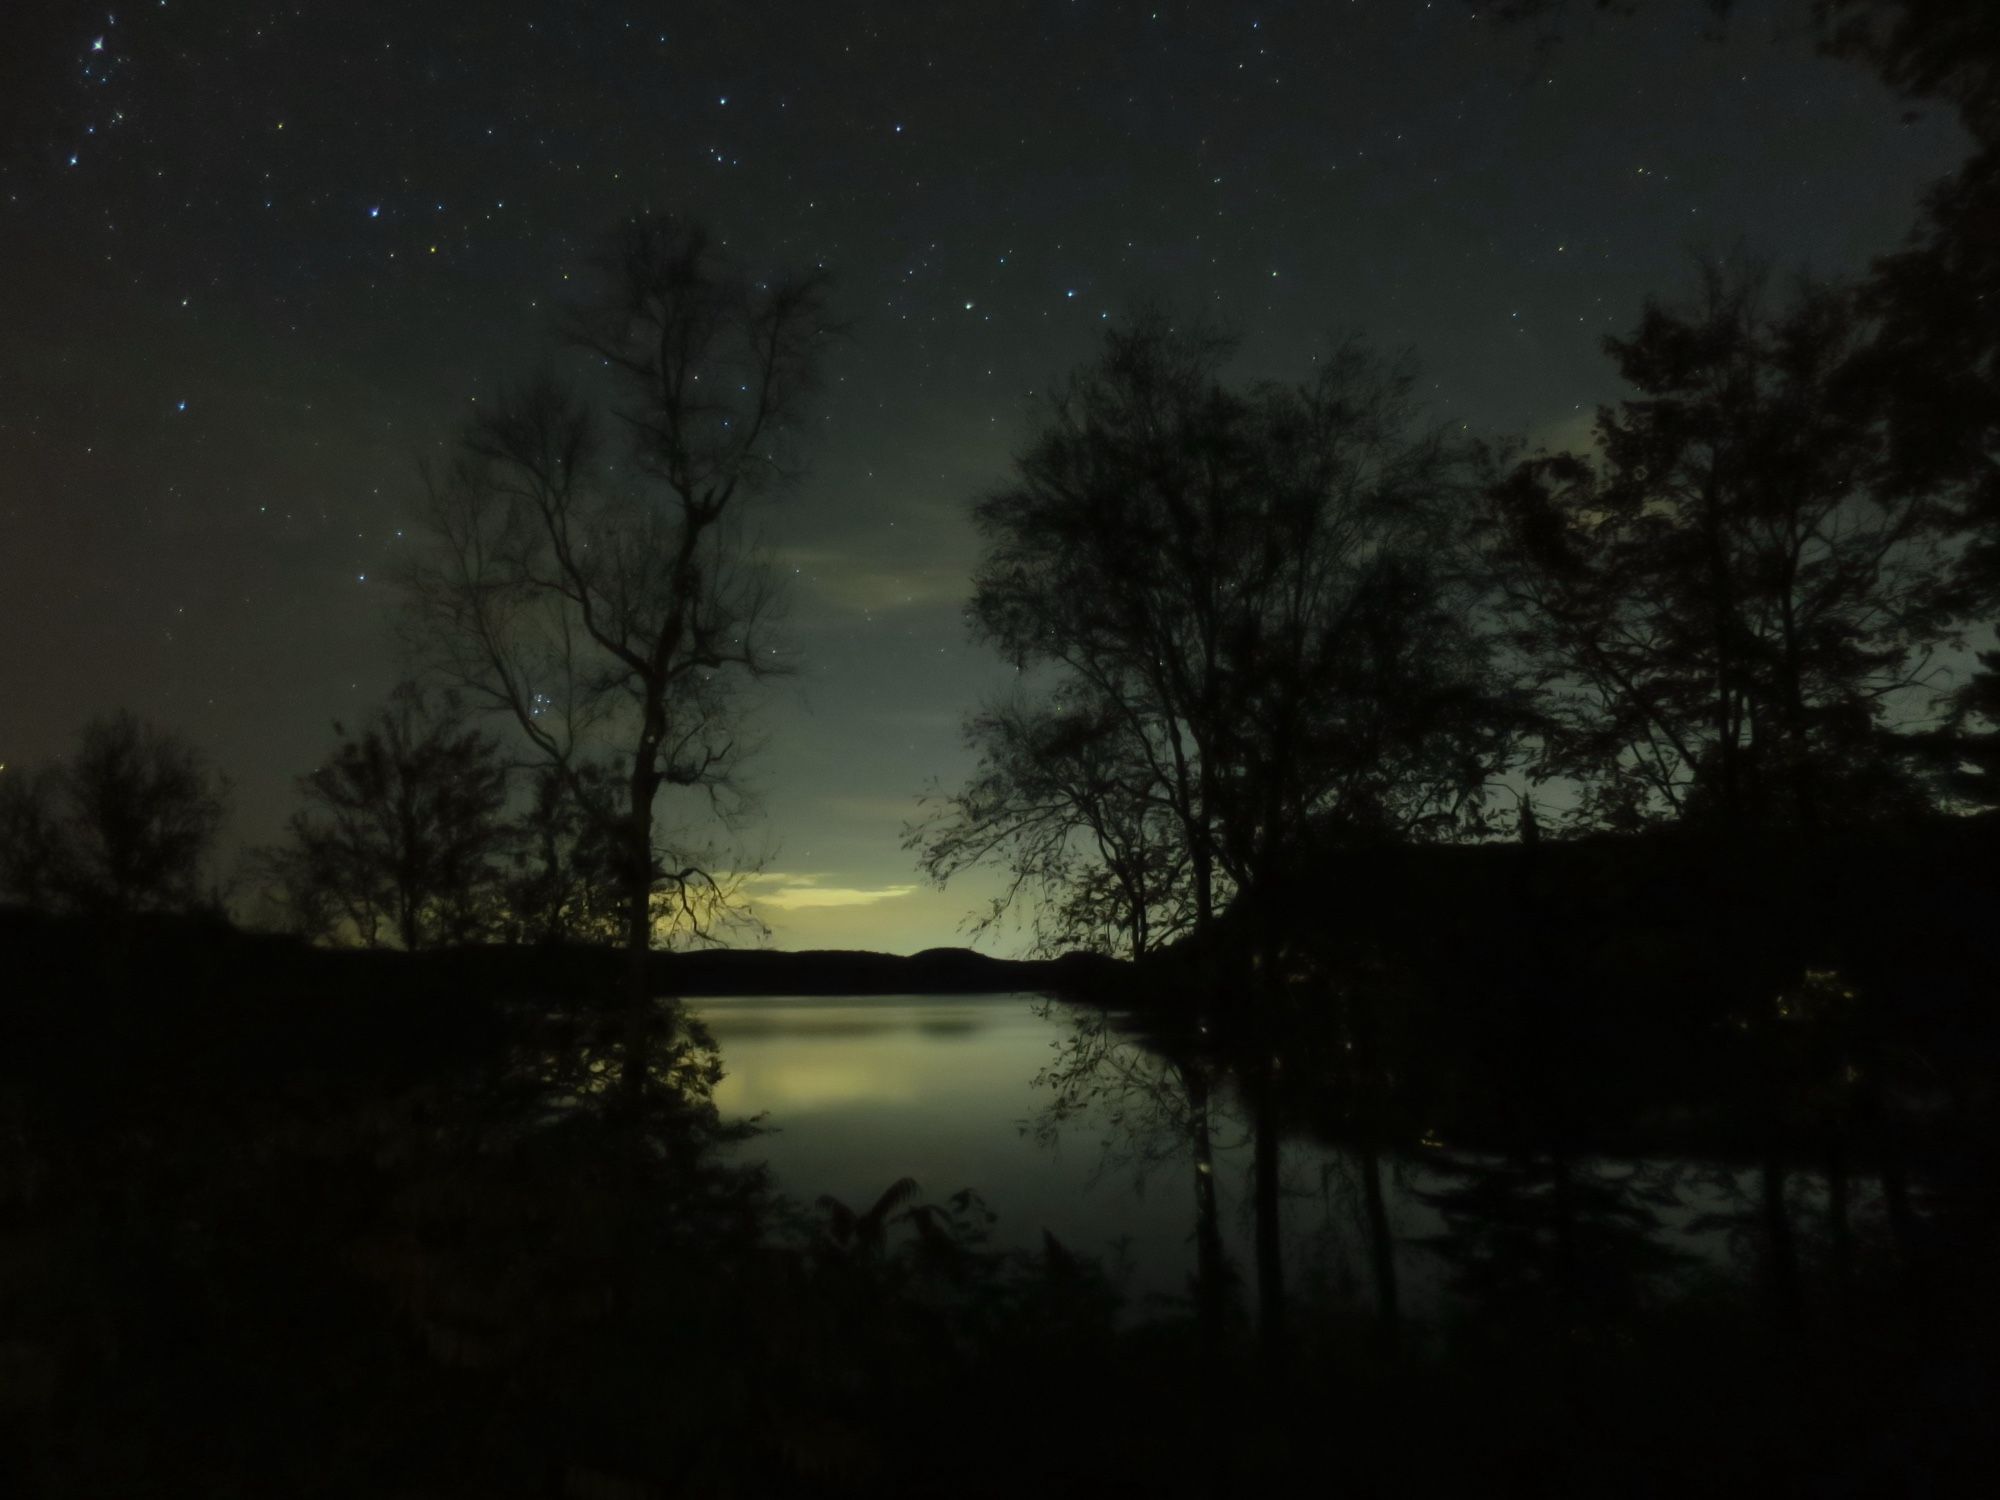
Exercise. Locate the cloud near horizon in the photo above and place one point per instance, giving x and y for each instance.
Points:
(794, 892)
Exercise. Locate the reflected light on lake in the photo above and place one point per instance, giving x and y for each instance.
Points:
(786, 1057)
(776, 1085)
(857, 1092)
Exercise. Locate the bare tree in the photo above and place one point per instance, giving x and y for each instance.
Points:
(1078, 820)
(590, 575)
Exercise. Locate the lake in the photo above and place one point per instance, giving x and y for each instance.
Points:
(856, 1092)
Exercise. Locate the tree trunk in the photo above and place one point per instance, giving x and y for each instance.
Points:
(1839, 1232)
(638, 940)
(1902, 1216)
(1204, 885)
(406, 922)
(1211, 1262)
(1265, 990)
(1781, 1251)
(1381, 1245)
(1271, 1331)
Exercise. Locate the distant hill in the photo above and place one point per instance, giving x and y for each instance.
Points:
(955, 971)
(53, 955)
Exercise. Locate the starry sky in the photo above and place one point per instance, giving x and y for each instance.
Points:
(257, 259)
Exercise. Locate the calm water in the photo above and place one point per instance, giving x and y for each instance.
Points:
(857, 1092)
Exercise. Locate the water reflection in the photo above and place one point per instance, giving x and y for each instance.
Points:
(958, 1091)
(1068, 1123)
(1082, 1125)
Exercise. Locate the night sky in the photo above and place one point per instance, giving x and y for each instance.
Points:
(256, 259)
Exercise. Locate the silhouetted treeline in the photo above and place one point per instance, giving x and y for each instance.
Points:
(1634, 971)
(52, 956)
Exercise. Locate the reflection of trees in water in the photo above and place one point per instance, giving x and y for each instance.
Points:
(1541, 1234)
(1549, 1218)
(1355, 1202)
(1158, 1105)
(1530, 1231)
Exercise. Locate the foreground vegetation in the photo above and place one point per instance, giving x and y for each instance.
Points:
(340, 1224)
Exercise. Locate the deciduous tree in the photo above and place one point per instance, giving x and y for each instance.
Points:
(1076, 817)
(404, 827)
(1239, 603)
(127, 824)
(1731, 597)
(590, 575)
(1244, 588)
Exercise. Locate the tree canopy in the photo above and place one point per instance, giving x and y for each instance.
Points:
(403, 827)
(1732, 600)
(127, 824)
(1236, 608)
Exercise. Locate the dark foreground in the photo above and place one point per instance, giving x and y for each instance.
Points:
(273, 1225)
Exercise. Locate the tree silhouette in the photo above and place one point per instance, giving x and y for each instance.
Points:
(1729, 600)
(591, 578)
(1063, 801)
(564, 881)
(402, 828)
(1970, 747)
(1252, 649)
(1935, 355)
(1239, 586)
(126, 825)
(1160, 1106)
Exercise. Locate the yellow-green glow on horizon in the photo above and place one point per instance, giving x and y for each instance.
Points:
(787, 892)
(889, 918)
